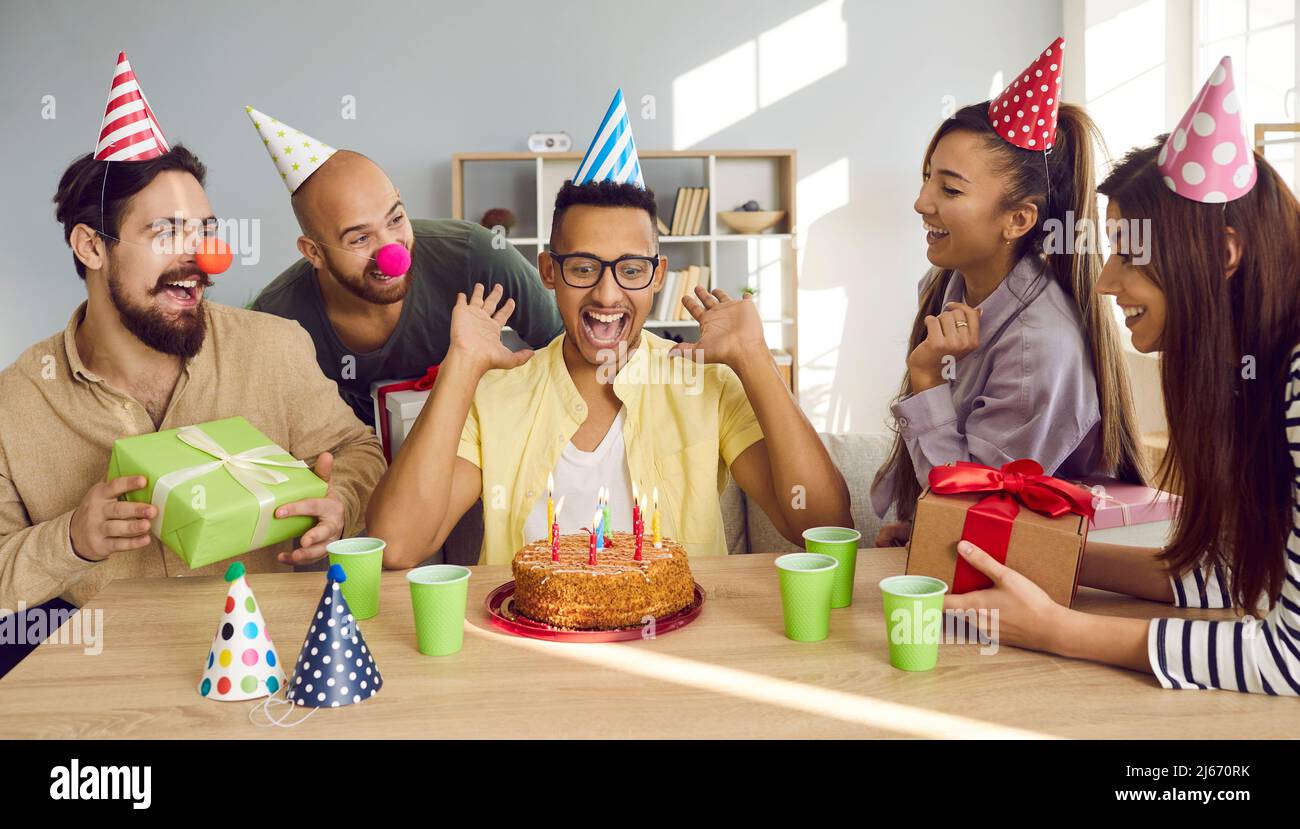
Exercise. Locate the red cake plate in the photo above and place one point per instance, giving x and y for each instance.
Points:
(504, 618)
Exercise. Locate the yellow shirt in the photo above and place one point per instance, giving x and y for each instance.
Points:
(685, 423)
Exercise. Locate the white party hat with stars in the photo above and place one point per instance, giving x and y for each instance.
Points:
(296, 154)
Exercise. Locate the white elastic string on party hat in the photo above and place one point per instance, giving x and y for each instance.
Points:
(281, 721)
(211, 263)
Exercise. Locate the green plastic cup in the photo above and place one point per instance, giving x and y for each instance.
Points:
(913, 620)
(362, 559)
(841, 544)
(806, 583)
(438, 596)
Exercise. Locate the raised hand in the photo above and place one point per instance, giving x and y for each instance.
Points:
(476, 325)
(730, 329)
(953, 333)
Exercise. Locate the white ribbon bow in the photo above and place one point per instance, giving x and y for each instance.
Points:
(1099, 494)
(249, 468)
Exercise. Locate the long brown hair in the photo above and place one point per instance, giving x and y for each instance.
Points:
(1072, 175)
(1224, 365)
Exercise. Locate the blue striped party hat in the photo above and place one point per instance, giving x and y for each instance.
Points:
(612, 154)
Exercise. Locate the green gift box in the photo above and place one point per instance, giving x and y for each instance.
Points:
(217, 486)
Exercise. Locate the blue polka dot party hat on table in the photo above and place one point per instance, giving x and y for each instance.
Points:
(335, 667)
(242, 662)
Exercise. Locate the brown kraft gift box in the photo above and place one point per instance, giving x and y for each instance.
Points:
(1047, 551)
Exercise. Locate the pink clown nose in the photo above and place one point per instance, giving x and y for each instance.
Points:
(393, 260)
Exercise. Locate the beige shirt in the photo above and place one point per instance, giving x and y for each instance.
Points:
(58, 421)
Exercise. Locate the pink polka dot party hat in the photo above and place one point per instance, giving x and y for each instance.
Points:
(1206, 157)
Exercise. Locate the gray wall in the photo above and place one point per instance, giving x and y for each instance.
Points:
(431, 79)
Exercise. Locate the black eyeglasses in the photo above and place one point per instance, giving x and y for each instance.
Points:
(580, 270)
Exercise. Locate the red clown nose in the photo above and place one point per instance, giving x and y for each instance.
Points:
(213, 256)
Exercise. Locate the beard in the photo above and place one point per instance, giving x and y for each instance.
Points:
(181, 335)
(364, 288)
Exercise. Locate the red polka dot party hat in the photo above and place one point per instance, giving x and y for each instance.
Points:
(242, 662)
(335, 667)
(1025, 113)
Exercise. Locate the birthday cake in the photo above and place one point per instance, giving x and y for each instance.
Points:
(617, 591)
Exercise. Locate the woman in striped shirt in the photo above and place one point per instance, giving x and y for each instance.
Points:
(1220, 299)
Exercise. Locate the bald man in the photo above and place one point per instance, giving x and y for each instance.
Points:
(368, 326)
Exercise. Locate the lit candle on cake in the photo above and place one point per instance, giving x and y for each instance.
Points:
(654, 521)
(636, 509)
(596, 522)
(550, 496)
(555, 531)
(604, 523)
(591, 540)
(638, 528)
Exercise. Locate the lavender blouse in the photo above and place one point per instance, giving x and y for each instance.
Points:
(1028, 391)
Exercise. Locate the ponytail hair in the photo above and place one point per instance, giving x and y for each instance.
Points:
(1061, 184)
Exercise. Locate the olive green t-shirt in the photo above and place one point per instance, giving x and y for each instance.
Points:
(449, 256)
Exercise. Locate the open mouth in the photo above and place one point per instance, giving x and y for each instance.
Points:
(384, 279)
(605, 328)
(183, 292)
(933, 233)
(1133, 313)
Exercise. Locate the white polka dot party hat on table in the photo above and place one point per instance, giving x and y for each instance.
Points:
(1025, 113)
(1206, 157)
(296, 155)
(242, 662)
(612, 154)
(335, 667)
(129, 131)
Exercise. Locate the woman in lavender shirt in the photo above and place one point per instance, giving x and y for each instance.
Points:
(1012, 355)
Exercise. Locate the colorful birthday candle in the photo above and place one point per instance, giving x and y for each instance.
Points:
(636, 508)
(591, 540)
(597, 522)
(605, 522)
(654, 521)
(550, 499)
(555, 531)
(638, 528)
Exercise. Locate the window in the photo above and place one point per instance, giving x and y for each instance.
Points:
(1260, 37)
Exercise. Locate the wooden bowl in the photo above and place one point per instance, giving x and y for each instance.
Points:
(751, 221)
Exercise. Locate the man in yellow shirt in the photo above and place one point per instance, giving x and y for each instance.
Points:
(498, 423)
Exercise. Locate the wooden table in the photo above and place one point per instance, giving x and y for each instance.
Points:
(731, 673)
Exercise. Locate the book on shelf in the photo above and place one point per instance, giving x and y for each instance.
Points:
(659, 311)
(679, 212)
(663, 228)
(687, 289)
(689, 212)
(698, 204)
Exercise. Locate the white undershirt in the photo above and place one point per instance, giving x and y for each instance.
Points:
(579, 476)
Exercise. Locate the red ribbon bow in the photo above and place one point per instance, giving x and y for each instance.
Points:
(988, 522)
(424, 383)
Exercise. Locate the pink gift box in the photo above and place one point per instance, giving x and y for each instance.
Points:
(1121, 504)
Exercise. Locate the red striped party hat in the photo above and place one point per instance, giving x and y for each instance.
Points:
(130, 132)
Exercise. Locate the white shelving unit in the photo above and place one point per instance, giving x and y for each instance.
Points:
(526, 184)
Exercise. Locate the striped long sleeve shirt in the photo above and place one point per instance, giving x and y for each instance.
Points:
(1257, 655)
